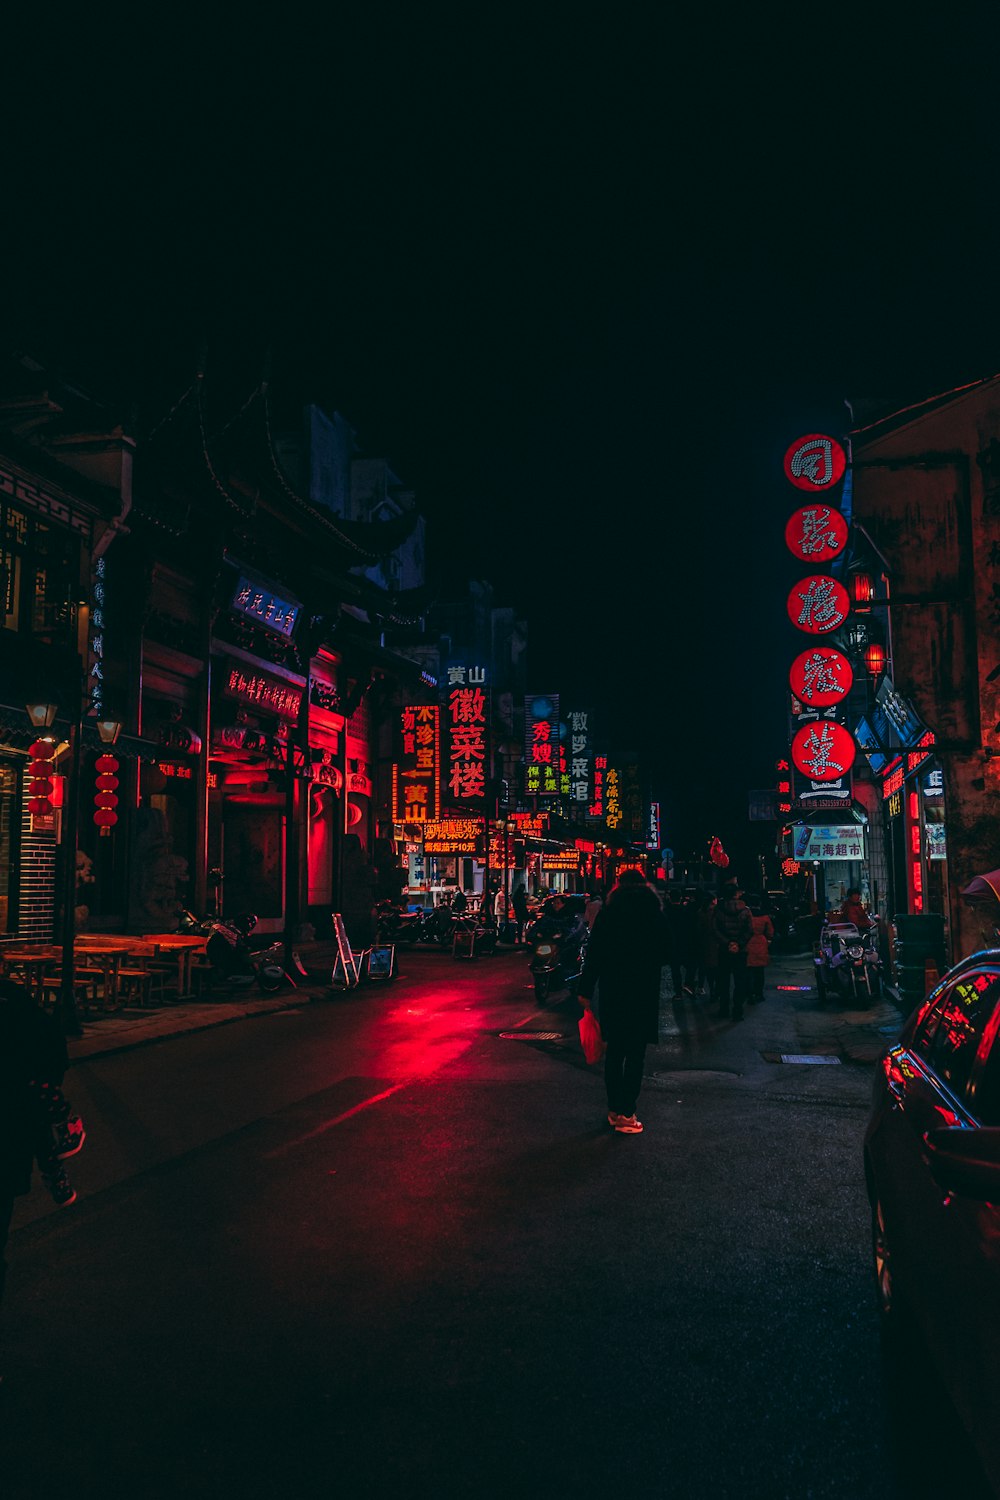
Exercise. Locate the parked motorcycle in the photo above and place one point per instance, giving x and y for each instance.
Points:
(437, 927)
(401, 928)
(847, 963)
(237, 965)
(557, 953)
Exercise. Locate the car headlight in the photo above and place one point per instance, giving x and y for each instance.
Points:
(544, 949)
(855, 952)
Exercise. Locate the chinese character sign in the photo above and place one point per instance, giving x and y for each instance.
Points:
(613, 814)
(823, 751)
(816, 533)
(829, 842)
(820, 676)
(269, 694)
(818, 604)
(541, 745)
(578, 760)
(633, 825)
(653, 826)
(467, 716)
(265, 608)
(815, 462)
(596, 809)
(416, 774)
(455, 836)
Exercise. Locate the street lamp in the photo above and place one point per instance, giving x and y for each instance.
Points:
(42, 716)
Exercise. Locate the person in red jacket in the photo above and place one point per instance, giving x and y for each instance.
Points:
(853, 911)
(758, 952)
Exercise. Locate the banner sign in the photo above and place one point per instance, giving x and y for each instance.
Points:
(264, 608)
(828, 841)
(416, 775)
(455, 836)
(816, 533)
(541, 745)
(467, 713)
(653, 826)
(570, 860)
(530, 825)
(258, 690)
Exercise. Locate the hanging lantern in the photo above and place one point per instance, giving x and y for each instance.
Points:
(862, 589)
(105, 798)
(875, 659)
(40, 771)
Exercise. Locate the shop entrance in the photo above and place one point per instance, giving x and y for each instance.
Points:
(253, 843)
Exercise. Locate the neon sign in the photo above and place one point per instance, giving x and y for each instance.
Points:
(816, 533)
(818, 604)
(541, 745)
(467, 723)
(264, 608)
(416, 774)
(823, 751)
(820, 676)
(815, 462)
(261, 691)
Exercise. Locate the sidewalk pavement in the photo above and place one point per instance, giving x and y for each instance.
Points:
(791, 1018)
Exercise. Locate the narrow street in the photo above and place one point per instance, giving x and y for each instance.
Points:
(388, 1243)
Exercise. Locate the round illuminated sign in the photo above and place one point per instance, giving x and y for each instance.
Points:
(815, 462)
(816, 533)
(823, 751)
(818, 604)
(820, 676)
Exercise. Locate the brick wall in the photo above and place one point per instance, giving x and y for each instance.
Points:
(37, 883)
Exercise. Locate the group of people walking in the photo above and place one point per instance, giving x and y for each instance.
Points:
(719, 943)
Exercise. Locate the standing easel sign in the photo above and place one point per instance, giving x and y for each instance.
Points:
(382, 962)
(345, 970)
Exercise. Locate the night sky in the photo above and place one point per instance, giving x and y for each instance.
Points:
(582, 282)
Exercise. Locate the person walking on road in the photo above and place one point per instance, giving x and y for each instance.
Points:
(590, 911)
(758, 952)
(519, 901)
(627, 949)
(707, 943)
(733, 926)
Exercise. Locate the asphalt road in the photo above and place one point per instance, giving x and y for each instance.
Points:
(372, 1245)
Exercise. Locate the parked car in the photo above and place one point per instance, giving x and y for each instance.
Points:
(782, 913)
(932, 1168)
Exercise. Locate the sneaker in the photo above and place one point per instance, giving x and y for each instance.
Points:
(68, 1138)
(613, 1119)
(62, 1190)
(628, 1125)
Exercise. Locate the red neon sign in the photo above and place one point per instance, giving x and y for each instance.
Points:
(820, 676)
(823, 751)
(818, 604)
(815, 462)
(467, 719)
(815, 533)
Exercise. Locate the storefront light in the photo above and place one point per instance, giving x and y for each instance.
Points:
(109, 730)
(42, 715)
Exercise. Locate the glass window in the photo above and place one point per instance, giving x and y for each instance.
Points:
(956, 1026)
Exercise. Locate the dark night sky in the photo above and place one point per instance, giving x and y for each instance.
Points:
(582, 283)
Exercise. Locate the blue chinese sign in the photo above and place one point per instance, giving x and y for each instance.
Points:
(258, 604)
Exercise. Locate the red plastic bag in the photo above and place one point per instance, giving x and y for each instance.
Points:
(590, 1037)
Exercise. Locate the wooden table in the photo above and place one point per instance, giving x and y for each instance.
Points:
(184, 949)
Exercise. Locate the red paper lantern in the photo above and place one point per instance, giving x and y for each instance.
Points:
(815, 462)
(41, 786)
(862, 589)
(823, 751)
(105, 800)
(40, 769)
(42, 750)
(38, 806)
(820, 676)
(816, 533)
(818, 604)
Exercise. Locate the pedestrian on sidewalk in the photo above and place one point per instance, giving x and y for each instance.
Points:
(733, 926)
(519, 901)
(758, 951)
(627, 949)
(32, 1059)
(707, 944)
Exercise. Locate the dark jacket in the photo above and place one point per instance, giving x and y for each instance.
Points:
(31, 1048)
(627, 949)
(733, 923)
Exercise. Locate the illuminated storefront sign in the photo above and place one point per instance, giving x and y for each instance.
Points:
(823, 751)
(815, 462)
(261, 691)
(257, 603)
(468, 729)
(569, 860)
(600, 773)
(95, 670)
(579, 761)
(818, 604)
(923, 752)
(829, 841)
(816, 533)
(416, 775)
(820, 676)
(893, 781)
(633, 813)
(613, 798)
(454, 836)
(530, 825)
(653, 826)
(541, 745)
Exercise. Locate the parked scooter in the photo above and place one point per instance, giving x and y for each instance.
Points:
(847, 963)
(237, 965)
(558, 945)
(402, 928)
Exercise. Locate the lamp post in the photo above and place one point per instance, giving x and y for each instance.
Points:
(42, 716)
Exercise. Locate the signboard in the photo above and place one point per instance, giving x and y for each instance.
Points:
(530, 825)
(633, 811)
(823, 751)
(820, 676)
(653, 826)
(541, 745)
(818, 604)
(416, 775)
(815, 462)
(568, 860)
(259, 690)
(869, 742)
(815, 533)
(600, 773)
(895, 720)
(829, 841)
(467, 714)
(612, 798)
(257, 603)
(763, 804)
(454, 836)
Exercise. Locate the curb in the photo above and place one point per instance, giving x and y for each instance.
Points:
(124, 1036)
